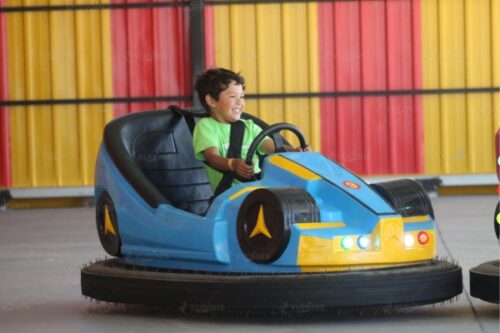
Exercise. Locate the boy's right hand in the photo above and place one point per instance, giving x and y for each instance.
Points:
(242, 169)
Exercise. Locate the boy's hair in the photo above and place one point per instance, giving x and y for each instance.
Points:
(215, 80)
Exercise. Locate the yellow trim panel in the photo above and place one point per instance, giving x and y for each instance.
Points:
(460, 49)
(387, 246)
(319, 225)
(293, 168)
(243, 191)
(416, 219)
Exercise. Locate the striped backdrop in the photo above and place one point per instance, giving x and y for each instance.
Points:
(382, 86)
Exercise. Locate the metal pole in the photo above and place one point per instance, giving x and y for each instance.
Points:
(197, 43)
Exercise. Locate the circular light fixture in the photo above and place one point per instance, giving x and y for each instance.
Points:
(363, 242)
(423, 237)
(347, 243)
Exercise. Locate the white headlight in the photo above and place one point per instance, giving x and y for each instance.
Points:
(363, 242)
(409, 240)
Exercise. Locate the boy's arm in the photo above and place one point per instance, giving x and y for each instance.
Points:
(218, 162)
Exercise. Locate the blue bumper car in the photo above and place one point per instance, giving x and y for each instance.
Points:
(306, 231)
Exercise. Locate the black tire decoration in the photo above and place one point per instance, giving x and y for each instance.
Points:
(496, 221)
(265, 219)
(406, 196)
(484, 281)
(107, 225)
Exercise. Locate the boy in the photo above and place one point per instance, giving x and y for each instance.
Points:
(221, 93)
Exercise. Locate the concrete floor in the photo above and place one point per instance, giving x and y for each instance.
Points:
(42, 250)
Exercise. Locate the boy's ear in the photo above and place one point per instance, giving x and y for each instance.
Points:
(210, 101)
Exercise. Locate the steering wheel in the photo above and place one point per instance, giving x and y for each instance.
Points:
(274, 132)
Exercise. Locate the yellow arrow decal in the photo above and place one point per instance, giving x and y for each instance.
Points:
(108, 226)
(260, 226)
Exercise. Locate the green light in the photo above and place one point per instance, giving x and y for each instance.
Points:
(347, 243)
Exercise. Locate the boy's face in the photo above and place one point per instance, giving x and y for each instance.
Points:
(230, 105)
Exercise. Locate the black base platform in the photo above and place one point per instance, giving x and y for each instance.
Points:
(430, 282)
(484, 281)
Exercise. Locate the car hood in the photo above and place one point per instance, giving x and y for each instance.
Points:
(311, 167)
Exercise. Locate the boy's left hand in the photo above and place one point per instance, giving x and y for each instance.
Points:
(298, 149)
(242, 169)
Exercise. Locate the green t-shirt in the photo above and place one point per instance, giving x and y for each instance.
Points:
(208, 132)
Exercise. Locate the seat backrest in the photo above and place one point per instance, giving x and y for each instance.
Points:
(159, 144)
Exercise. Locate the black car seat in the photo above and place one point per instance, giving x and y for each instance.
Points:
(154, 152)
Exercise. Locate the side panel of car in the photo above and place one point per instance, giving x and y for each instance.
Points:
(126, 201)
(148, 234)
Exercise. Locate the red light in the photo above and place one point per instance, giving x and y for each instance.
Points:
(423, 237)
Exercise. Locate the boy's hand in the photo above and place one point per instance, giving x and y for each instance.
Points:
(235, 165)
(241, 168)
(308, 148)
